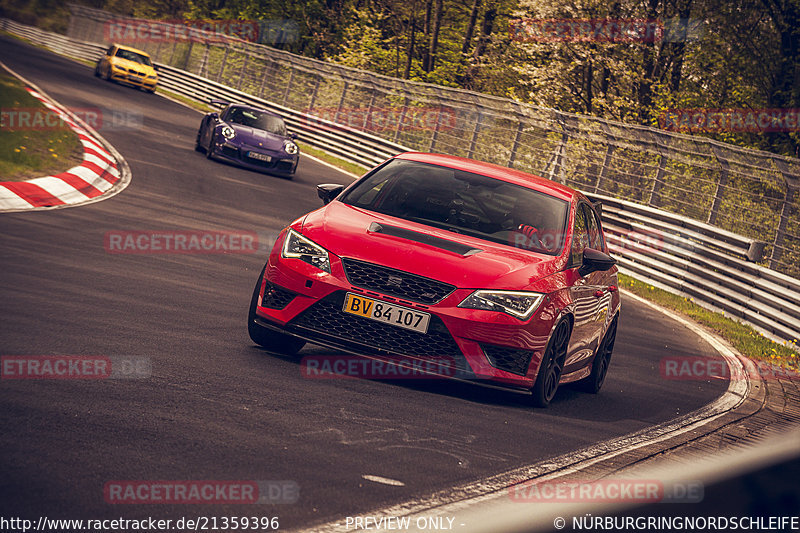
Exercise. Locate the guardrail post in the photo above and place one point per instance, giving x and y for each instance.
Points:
(721, 184)
(288, 86)
(604, 168)
(341, 103)
(558, 168)
(267, 71)
(188, 55)
(402, 119)
(475, 132)
(658, 182)
(314, 94)
(515, 147)
(241, 73)
(222, 64)
(777, 244)
(792, 188)
(435, 135)
(203, 70)
(368, 115)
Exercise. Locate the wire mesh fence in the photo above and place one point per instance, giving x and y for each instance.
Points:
(752, 193)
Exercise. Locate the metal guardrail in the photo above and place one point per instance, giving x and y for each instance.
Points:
(695, 260)
(713, 266)
(750, 192)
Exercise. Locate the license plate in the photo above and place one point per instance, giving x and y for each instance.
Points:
(387, 313)
(135, 79)
(260, 157)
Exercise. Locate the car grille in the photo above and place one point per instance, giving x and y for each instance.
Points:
(276, 297)
(395, 282)
(230, 152)
(511, 360)
(326, 322)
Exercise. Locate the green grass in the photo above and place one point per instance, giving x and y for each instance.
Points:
(29, 146)
(353, 168)
(744, 338)
(194, 104)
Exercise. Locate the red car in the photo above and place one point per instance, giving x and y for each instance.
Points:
(497, 275)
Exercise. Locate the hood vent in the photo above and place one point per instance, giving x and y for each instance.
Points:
(424, 238)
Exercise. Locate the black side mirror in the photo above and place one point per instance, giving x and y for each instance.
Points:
(594, 260)
(293, 135)
(214, 116)
(329, 191)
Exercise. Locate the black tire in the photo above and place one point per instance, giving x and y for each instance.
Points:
(546, 384)
(269, 339)
(602, 359)
(97, 70)
(209, 150)
(197, 146)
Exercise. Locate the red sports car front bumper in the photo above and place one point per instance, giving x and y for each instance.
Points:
(304, 301)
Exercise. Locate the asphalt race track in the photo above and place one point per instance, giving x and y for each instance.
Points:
(217, 407)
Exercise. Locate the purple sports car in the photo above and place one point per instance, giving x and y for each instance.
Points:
(250, 137)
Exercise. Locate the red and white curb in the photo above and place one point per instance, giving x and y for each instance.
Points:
(102, 173)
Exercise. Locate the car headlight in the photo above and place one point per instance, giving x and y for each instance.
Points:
(228, 132)
(290, 147)
(515, 303)
(298, 247)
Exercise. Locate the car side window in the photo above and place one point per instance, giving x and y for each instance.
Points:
(593, 225)
(580, 237)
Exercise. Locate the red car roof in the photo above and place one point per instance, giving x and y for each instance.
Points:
(494, 171)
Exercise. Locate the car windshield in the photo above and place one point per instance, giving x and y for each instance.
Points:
(465, 203)
(256, 119)
(133, 56)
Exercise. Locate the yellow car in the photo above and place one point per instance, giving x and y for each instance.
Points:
(127, 65)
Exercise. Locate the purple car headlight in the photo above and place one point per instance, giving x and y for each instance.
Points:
(290, 147)
(228, 132)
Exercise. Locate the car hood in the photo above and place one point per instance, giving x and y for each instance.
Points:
(460, 260)
(133, 65)
(257, 137)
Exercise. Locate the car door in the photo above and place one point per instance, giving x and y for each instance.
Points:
(602, 281)
(585, 291)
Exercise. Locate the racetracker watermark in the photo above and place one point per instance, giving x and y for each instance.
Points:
(169, 31)
(42, 119)
(181, 242)
(730, 120)
(702, 368)
(642, 240)
(61, 367)
(606, 30)
(607, 491)
(384, 118)
(388, 367)
(639, 240)
(201, 492)
(275, 31)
